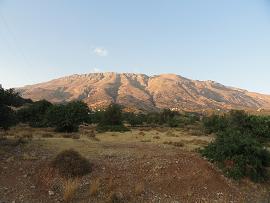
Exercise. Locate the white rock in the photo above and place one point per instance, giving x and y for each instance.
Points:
(51, 193)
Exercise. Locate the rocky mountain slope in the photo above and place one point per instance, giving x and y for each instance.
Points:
(147, 93)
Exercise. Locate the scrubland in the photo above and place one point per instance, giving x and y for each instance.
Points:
(145, 164)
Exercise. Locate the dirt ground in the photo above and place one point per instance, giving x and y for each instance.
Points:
(143, 165)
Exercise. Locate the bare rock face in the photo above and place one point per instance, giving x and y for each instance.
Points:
(146, 93)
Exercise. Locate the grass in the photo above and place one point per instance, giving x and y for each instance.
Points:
(111, 143)
(176, 144)
(94, 187)
(70, 187)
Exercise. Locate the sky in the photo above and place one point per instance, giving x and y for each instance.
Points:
(227, 41)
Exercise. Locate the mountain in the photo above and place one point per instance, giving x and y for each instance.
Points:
(147, 93)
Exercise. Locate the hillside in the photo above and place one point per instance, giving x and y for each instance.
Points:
(148, 93)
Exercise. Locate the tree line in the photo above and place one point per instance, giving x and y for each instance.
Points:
(67, 117)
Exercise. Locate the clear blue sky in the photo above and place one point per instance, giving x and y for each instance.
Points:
(223, 40)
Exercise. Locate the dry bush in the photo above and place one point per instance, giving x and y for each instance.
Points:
(24, 135)
(94, 187)
(197, 142)
(67, 135)
(76, 136)
(171, 134)
(27, 156)
(176, 144)
(91, 134)
(146, 140)
(160, 129)
(70, 164)
(145, 129)
(70, 187)
(47, 135)
(139, 189)
(115, 197)
(156, 137)
(142, 133)
(95, 139)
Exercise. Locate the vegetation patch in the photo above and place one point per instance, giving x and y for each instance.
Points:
(70, 187)
(71, 164)
(176, 144)
(239, 155)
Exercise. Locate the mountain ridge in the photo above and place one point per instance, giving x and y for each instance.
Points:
(138, 91)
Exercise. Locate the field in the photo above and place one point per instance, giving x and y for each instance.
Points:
(145, 164)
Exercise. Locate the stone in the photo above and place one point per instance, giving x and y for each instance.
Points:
(51, 193)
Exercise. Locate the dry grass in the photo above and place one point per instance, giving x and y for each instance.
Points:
(94, 187)
(197, 142)
(171, 134)
(146, 140)
(76, 136)
(27, 156)
(47, 135)
(24, 135)
(91, 134)
(139, 189)
(70, 187)
(110, 184)
(142, 133)
(176, 144)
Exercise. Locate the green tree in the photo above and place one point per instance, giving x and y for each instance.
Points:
(9, 98)
(67, 117)
(135, 119)
(34, 114)
(112, 119)
(7, 117)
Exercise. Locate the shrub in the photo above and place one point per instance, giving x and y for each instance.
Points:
(257, 126)
(112, 128)
(166, 115)
(10, 97)
(214, 123)
(239, 155)
(116, 197)
(134, 119)
(7, 117)
(112, 115)
(112, 120)
(34, 114)
(67, 117)
(71, 164)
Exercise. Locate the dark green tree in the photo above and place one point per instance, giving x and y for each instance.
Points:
(8, 99)
(34, 114)
(67, 117)
(112, 119)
